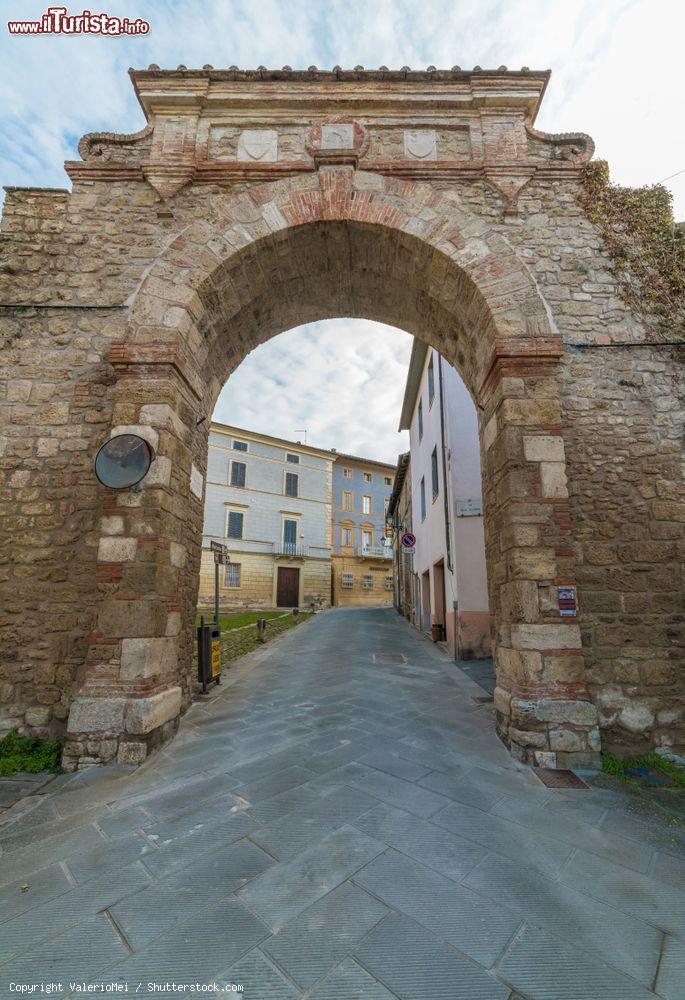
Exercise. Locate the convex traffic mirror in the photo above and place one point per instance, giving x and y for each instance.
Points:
(123, 461)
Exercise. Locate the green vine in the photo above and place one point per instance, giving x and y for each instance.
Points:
(646, 247)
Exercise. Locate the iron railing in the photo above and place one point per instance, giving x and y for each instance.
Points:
(291, 550)
(374, 551)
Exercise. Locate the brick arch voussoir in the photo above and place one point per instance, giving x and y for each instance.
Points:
(478, 271)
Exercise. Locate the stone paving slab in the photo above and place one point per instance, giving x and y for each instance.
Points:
(414, 964)
(194, 952)
(671, 979)
(41, 887)
(21, 863)
(349, 981)
(432, 846)
(288, 836)
(69, 909)
(615, 937)
(259, 979)
(79, 954)
(456, 915)
(291, 887)
(546, 968)
(188, 891)
(522, 846)
(654, 902)
(332, 828)
(307, 947)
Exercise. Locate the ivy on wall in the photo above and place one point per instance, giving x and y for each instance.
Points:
(647, 248)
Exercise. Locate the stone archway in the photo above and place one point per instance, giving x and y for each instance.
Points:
(344, 243)
(256, 200)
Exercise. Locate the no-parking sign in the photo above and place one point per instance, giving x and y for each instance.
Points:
(408, 540)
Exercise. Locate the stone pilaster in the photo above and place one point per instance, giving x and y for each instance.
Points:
(544, 711)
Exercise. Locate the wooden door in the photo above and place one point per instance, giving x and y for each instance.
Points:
(288, 587)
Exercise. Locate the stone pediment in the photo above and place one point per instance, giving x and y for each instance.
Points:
(221, 126)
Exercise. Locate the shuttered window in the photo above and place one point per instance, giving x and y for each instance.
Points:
(235, 524)
(238, 470)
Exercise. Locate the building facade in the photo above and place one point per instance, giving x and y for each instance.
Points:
(449, 577)
(362, 550)
(269, 501)
(400, 517)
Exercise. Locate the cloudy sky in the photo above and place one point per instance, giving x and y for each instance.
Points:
(616, 73)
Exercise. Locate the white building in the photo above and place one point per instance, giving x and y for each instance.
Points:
(269, 501)
(449, 561)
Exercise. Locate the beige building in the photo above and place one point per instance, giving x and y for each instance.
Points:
(400, 515)
(362, 549)
(269, 501)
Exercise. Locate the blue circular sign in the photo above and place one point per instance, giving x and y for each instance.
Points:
(408, 540)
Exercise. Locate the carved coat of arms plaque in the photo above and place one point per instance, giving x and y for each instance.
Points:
(259, 145)
(420, 144)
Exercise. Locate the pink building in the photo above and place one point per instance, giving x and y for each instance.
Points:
(450, 582)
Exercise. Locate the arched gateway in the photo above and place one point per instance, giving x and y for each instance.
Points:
(251, 203)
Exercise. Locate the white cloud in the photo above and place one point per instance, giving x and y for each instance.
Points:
(342, 380)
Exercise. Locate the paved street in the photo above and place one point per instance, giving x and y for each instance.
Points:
(341, 822)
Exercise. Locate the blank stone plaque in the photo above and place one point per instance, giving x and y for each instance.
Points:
(337, 136)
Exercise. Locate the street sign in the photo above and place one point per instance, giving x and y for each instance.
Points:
(568, 604)
(408, 540)
(469, 508)
(221, 556)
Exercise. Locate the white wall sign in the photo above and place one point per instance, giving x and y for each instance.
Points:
(469, 508)
(196, 482)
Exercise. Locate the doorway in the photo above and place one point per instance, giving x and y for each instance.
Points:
(425, 602)
(439, 593)
(288, 587)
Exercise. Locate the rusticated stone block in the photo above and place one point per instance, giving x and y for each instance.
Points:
(543, 448)
(95, 715)
(145, 714)
(523, 667)
(131, 752)
(576, 713)
(567, 739)
(115, 549)
(553, 479)
(545, 636)
(37, 716)
(529, 738)
(148, 657)
(532, 564)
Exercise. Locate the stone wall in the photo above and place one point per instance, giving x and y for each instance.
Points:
(581, 449)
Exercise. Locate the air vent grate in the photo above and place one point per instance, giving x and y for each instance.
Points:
(558, 778)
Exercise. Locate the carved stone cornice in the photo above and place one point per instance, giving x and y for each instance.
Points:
(98, 145)
(572, 147)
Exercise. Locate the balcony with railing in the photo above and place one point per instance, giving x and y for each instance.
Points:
(374, 551)
(290, 550)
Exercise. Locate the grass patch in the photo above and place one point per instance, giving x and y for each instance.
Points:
(651, 762)
(26, 753)
(229, 622)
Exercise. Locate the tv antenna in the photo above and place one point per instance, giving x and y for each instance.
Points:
(302, 430)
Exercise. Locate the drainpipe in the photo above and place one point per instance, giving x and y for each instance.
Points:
(446, 503)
